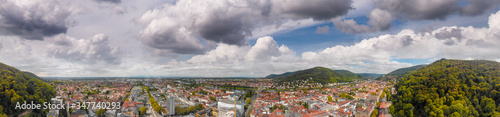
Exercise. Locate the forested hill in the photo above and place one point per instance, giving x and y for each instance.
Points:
(396, 74)
(318, 75)
(17, 86)
(348, 73)
(450, 88)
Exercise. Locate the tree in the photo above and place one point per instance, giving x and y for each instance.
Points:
(375, 113)
(212, 98)
(488, 106)
(142, 111)
(382, 95)
(199, 107)
(330, 99)
(282, 107)
(101, 112)
(273, 108)
(391, 110)
(408, 110)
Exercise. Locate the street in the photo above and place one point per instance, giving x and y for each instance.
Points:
(150, 111)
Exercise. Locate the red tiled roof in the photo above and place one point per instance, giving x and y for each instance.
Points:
(382, 105)
(317, 114)
(127, 104)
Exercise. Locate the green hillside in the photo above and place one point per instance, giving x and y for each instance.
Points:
(450, 88)
(396, 74)
(318, 75)
(347, 73)
(17, 86)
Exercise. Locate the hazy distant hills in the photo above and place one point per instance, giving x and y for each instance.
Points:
(396, 74)
(370, 75)
(450, 88)
(17, 86)
(317, 74)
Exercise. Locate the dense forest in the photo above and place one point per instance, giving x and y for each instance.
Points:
(17, 86)
(318, 75)
(396, 74)
(349, 74)
(450, 88)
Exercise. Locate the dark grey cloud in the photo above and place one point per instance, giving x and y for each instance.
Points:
(415, 10)
(110, 1)
(230, 31)
(433, 9)
(450, 42)
(350, 26)
(451, 36)
(34, 21)
(185, 27)
(426, 9)
(316, 9)
(447, 34)
(90, 51)
(478, 7)
(173, 42)
(169, 37)
(407, 40)
(479, 43)
(379, 20)
(323, 30)
(1, 46)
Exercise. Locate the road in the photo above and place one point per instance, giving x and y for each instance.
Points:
(151, 112)
(250, 106)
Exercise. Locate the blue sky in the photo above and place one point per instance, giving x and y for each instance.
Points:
(232, 38)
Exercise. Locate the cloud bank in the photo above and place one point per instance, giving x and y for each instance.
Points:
(36, 19)
(385, 11)
(185, 26)
(373, 55)
(90, 51)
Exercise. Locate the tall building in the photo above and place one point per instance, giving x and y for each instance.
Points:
(171, 105)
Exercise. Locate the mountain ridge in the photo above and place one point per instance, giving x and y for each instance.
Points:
(398, 73)
(317, 74)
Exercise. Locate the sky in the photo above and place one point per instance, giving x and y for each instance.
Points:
(241, 38)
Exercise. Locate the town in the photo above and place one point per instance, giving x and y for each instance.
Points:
(222, 97)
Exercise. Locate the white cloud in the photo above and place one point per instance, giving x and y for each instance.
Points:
(180, 27)
(91, 51)
(265, 50)
(373, 55)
